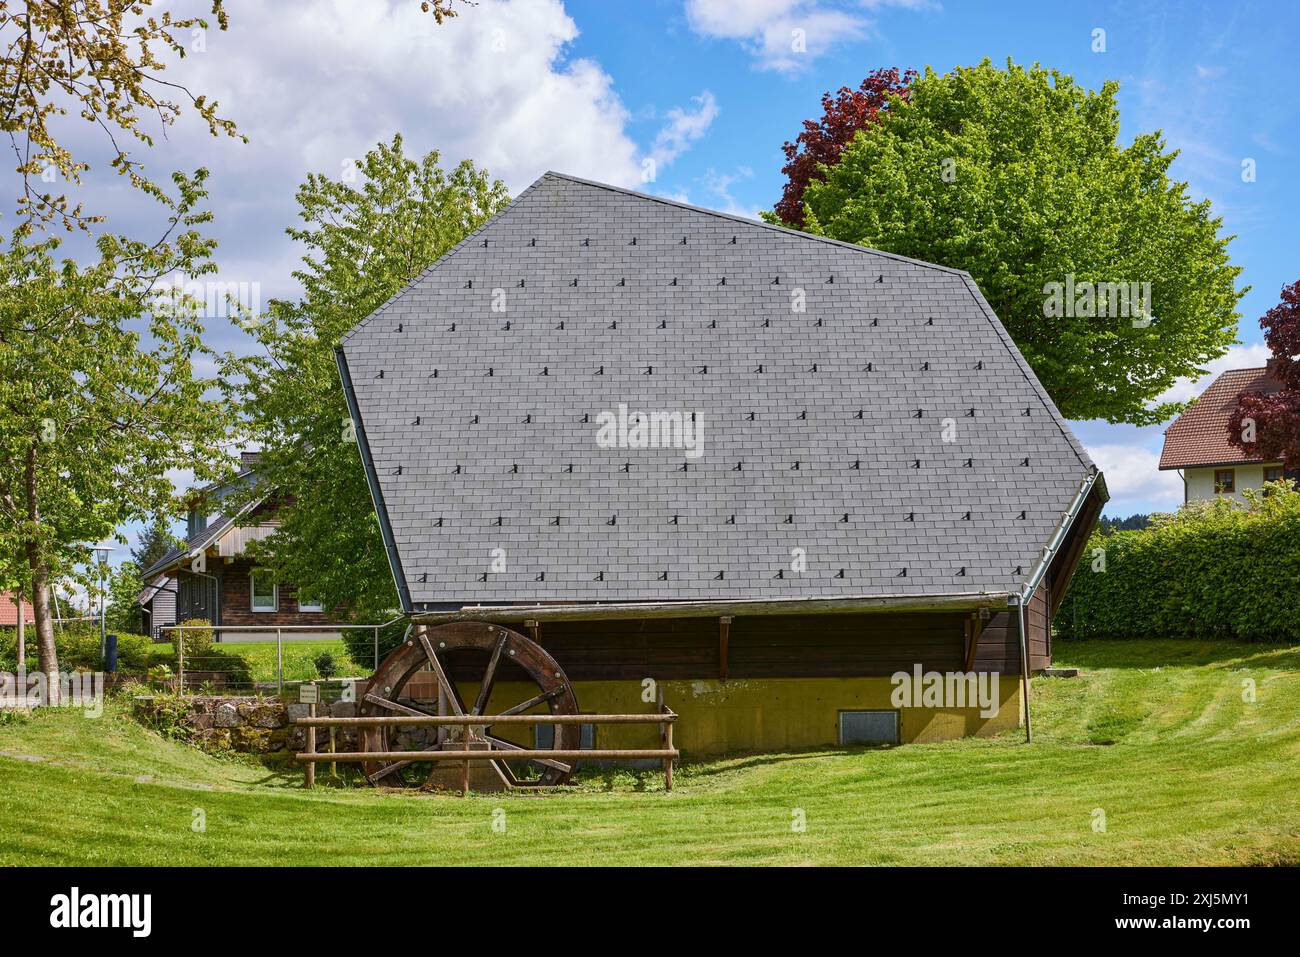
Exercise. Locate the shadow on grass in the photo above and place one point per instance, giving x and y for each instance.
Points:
(744, 760)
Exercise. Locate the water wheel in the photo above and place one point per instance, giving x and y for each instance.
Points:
(421, 677)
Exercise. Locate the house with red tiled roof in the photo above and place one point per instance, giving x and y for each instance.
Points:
(9, 611)
(1197, 446)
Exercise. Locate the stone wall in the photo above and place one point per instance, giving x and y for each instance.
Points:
(249, 724)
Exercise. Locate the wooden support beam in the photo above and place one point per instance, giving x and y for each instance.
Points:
(668, 761)
(724, 645)
(974, 628)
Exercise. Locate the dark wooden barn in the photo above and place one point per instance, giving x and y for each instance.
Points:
(771, 477)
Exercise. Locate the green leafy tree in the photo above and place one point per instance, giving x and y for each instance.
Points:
(98, 393)
(366, 237)
(106, 61)
(1017, 176)
(124, 586)
(155, 541)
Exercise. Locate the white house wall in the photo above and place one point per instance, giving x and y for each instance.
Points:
(1200, 481)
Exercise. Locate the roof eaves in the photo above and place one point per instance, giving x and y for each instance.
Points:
(1048, 405)
(708, 608)
(211, 534)
(1222, 463)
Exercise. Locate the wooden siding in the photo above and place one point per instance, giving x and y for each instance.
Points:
(235, 541)
(1067, 559)
(236, 601)
(776, 646)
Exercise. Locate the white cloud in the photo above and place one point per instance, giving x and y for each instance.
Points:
(783, 35)
(321, 84)
(1132, 475)
(683, 128)
(719, 186)
(1237, 357)
(315, 88)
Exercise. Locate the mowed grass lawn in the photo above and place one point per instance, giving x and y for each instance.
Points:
(1155, 735)
(298, 658)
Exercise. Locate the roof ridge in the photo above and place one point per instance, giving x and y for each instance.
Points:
(748, 222)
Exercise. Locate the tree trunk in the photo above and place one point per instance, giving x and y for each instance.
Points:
(49, 655)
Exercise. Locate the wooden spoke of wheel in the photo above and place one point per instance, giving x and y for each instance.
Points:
(534, 701)
(398, 706)
(444, 683)
(387, 770)
(505, 745)
(489, 676)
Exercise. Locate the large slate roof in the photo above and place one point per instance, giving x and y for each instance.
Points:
(823, 429)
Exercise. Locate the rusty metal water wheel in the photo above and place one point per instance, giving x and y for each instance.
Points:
(460, 653)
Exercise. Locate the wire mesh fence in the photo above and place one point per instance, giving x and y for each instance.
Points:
(248, 659)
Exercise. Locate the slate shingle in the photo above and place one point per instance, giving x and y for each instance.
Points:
(834, 385)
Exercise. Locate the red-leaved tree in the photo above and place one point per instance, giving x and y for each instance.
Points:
(1268, 425)
(822, 141)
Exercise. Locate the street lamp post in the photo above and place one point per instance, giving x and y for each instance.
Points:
(101, 554)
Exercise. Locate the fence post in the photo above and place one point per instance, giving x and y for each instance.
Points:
(376, 647)
(311, 747)
(279, 663)
(668, 761)
(179, 632)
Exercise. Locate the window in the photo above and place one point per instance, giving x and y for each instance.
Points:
(868, 727)
(1273, 473)
(1225, 481)
(262, 588)
(544, 736)
(306, 602)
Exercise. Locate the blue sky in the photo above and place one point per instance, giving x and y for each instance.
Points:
(1217, 79)
(710, 89)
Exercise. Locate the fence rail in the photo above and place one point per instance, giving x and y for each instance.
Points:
(273, 632)
(665, 718)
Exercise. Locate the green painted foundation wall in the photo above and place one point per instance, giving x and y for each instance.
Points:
(770, 714)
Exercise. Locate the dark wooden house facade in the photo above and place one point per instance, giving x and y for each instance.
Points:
(212, 578)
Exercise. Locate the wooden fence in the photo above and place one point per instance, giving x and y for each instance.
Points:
(667, 753)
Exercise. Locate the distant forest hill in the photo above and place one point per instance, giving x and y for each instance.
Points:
(1108, 524)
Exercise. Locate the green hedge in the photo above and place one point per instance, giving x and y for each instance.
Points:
(1211, 570)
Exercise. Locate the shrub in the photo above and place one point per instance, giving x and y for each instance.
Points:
(197, 643)
(161, 675)
(135, 653)
(361, 643)
(1216, 569)
(325, 664)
